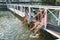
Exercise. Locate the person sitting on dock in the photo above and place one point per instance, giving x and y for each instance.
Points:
(38, 24)
(32, 19)
(27, 16)
(32, 23)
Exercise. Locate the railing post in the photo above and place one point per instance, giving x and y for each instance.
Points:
(21, 8)
(29, 10)
(45, 18)
(17, 7)
(29, 15)
(59, 19)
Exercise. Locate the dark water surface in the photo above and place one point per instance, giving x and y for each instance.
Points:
(11, 28)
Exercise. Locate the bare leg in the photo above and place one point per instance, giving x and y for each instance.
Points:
(33, 27)
(36, 30)
(24, 20)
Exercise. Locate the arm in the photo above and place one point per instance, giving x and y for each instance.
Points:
(36, 14)
(33, 27)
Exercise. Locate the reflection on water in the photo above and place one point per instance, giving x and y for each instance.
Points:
(11, 29)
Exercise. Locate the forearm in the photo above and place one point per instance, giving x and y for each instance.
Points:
(33, 27)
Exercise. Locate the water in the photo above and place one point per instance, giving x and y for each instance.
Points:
(11, 28)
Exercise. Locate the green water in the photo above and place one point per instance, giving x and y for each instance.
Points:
(11, 28)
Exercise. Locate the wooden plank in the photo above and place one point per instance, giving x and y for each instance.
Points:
(53, 33)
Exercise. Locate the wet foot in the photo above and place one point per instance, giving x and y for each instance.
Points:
(34, 36)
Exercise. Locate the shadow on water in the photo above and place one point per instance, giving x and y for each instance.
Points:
(18, 32)
(20, 18)
(46, 36)
(3, 9)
